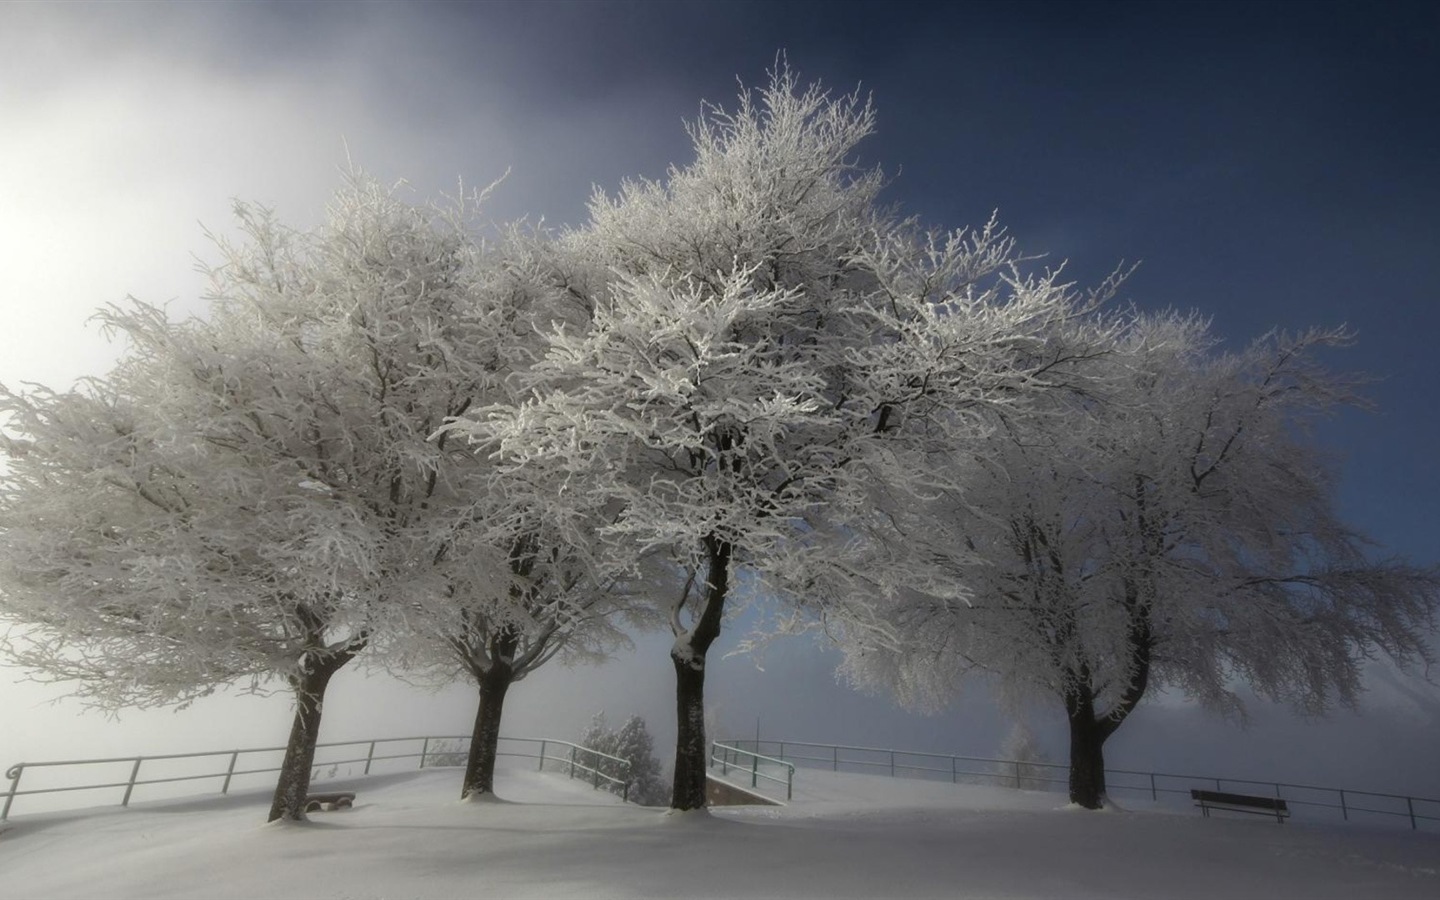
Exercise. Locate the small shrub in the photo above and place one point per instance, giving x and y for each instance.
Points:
(446, 753)
(631, 742)
(1030, 772)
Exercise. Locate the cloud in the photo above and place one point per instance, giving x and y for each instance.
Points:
(116, 151)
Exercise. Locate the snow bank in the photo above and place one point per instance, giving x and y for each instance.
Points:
(843, 836)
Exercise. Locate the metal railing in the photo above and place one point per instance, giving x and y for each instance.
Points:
(732, 757)
(619, 773)
(593, 765)
(1352, 805)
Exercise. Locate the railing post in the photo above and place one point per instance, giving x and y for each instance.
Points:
(229, 773)
(134, 771)
(781, 754)
(789, 781)
(572, 762)
(1217, 785)
(424, 751)
(1017, 774)
(369, 755)
(1344, 811)
(1154, 794)
(892, 763)
(542, 756)
(954, 776)
(1410, 804)
(14, 773)
(754, 770)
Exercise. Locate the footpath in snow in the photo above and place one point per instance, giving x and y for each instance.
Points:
(843, 836)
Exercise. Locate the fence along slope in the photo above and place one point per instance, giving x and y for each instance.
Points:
(578, 761)
(1350, 804)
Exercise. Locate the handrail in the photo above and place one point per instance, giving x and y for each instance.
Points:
(731, 751)
(597, 775)
(230, 771)
(1019, 772)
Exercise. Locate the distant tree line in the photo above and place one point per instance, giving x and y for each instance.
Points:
(391, 438)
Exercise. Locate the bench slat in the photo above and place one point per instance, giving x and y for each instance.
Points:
(1214, 797)
(1245, 803)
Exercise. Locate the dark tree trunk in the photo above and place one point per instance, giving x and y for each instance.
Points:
(688, 791)
(319, 665)
(485, 739)
(1087, 751)
(688, 656)
(294, 783)
(1089, 729)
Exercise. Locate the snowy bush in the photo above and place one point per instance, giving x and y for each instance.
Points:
(631, 742)
(445, 753)
(1029, 763)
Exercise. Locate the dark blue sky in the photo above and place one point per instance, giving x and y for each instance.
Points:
(1273, 165)
(1270, 164)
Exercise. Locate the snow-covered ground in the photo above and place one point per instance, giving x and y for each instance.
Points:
(843, 836)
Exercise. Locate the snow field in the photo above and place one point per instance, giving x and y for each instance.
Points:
(844, 836)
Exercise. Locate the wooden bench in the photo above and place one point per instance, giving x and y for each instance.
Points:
(336, 800)
(1264, 806)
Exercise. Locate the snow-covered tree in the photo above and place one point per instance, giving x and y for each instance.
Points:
(541, 601)
(758, 329)
(631, 742)
(1174, 527)
(504, 571)
(248, 494)
(162, 530)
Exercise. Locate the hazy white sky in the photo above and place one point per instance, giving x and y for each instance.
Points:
(1260, 175)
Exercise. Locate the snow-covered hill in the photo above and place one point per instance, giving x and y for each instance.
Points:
(844, 836)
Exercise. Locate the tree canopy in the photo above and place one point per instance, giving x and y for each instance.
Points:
(466, 456)
(1172, 527)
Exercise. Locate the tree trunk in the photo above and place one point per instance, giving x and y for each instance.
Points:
(688, 656)
(294, 783)
(690, 745)
(317, 666)
(1087, 757)
(1090, 730)
(485, 739)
